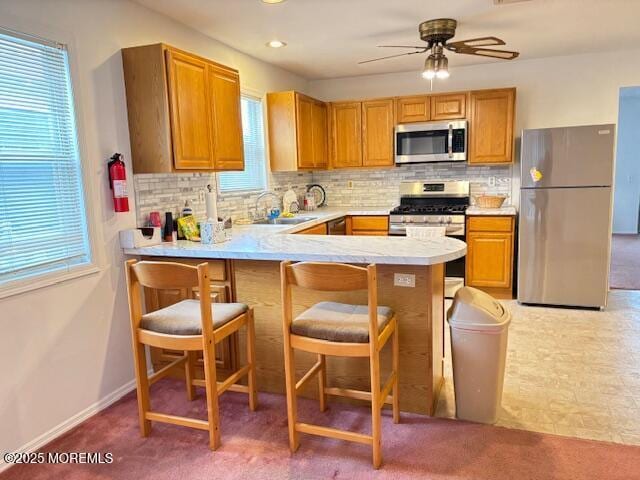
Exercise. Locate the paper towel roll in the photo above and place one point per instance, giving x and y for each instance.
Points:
(211, 205)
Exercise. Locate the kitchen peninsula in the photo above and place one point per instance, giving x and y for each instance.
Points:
(410, 280)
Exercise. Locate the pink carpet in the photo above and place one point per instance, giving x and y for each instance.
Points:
(625, 262)
(254, 446)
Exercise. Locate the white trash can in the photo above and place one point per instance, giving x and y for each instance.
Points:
(479, 326)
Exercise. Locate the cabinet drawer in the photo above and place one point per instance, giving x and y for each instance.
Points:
(490, 224)
(380, 223)
(315, 230)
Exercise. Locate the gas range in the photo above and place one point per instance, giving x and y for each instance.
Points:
(431, 204)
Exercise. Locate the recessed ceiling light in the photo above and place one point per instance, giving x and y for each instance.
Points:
(276, 44)
(272, 1)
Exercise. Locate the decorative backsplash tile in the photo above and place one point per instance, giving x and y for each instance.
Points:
(345, 188)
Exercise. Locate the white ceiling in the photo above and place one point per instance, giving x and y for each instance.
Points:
(326, 38)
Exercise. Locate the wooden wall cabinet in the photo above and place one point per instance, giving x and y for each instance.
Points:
(449, 107)
(413, 109)
(491, 123)
(373, 225)
(362, 134)
(298, 130)
(490, 243)
(184, 111)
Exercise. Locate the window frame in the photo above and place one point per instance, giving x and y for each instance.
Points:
(261, 97)
(96, 257)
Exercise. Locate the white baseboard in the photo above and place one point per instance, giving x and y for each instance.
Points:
(68, 424)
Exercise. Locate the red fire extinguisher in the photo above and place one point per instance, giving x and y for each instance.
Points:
(118, 183)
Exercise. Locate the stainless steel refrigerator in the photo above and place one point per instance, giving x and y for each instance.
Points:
(565, 216)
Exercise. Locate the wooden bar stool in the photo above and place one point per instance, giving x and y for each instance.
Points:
(339, 329)
(190, 326)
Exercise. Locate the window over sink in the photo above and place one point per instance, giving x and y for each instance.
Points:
(43, 227)
(254, 175)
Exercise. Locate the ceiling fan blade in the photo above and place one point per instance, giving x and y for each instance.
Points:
(487, 52)
(422, 47)
(390, 56)
(477, 42)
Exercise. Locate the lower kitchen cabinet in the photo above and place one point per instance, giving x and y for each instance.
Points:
(315, 230)
(376, 225)
(221, 274)
(490, 247)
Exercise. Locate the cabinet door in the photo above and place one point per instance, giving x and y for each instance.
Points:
(346, 134)
(491, 126)
(489, 259)
(319, 132)
(189, 110)
(304, 131)
(413, 109)
(228, 146)
(377, 133)
(315, 230)
(449, 107)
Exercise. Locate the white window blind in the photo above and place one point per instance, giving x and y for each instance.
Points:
(254, 176)
(42, 214)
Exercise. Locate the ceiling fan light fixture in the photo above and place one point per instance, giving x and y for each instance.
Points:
(443, 68)
(429, 70)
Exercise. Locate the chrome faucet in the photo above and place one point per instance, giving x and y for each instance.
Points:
(264, 194)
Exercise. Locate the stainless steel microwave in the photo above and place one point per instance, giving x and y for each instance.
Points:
(431, 142)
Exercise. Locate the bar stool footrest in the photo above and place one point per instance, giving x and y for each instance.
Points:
(334, 433)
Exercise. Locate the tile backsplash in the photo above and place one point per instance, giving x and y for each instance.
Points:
(345, 188)
(167, 192)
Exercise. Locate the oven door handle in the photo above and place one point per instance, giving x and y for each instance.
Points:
(450, 141)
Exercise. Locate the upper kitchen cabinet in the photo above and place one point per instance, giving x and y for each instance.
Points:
(413, 109)
(377, 133)
(346, 134)
(184, 111)
(362, 133)
(449, 107)
(491, 118)
(297, 127)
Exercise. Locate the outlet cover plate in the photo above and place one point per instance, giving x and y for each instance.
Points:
(404, 280)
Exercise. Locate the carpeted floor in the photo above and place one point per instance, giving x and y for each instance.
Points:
(625, 262)
(255, 447)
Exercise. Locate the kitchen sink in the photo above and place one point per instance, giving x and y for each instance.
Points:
(283, 221)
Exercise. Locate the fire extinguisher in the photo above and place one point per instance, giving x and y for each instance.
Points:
(118, 183)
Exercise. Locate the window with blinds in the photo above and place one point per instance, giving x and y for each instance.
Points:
(42, 213)
(254, 176)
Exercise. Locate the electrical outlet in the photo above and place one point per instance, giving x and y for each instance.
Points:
(404, 280)
(350, 184)
(492, 181)
(201, 197)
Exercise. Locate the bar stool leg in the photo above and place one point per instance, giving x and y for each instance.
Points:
(189, 374)
(396, 369)
(211, 386)
(251, 359)
(292, 404)
(376, 414)
(322, 382)
(142, 385)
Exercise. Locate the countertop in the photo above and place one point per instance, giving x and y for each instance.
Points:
(277, 242)
(507, 210)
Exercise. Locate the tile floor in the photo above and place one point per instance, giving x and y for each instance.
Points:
(570, 372)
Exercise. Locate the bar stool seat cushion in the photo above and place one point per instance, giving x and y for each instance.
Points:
(338, 322)
(183, 318)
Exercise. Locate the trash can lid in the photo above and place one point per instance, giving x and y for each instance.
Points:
(474, 309)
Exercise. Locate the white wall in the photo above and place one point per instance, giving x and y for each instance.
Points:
(626, 201)
(552, 92)
(65, 347)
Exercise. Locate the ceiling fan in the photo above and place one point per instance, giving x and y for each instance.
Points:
(436, 33)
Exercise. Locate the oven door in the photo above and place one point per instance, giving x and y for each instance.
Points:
(431, 142)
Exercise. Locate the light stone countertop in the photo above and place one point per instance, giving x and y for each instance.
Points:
(507, 210)
(277, 242)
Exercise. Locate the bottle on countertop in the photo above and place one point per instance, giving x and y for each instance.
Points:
(187, 210)
(167, 234)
